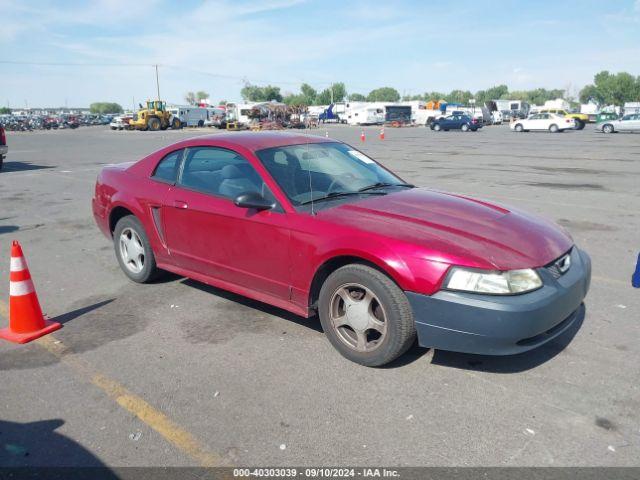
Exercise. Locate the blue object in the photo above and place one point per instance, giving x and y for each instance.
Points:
(328, 114)
(635, 278)
(456, 122)
(503, 324)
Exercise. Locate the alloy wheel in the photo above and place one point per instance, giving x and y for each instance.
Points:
(132, 250)
(358, 317)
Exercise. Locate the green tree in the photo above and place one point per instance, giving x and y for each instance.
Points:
(293, 99)
(222, 102)
(428, 96)
(617, 88)
(459, 96)
(308, 94)
(202, 95)
(339, 92)
(254, 93)
(105, 107)
(5, 111)
(591, 93)
(357, 97)
(383, 94)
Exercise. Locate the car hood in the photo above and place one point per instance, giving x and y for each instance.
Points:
(455, 229)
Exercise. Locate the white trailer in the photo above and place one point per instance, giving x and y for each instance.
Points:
(239, 112)
(364, 113)
(190, 116)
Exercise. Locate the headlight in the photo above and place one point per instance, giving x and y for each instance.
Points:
(496, 283)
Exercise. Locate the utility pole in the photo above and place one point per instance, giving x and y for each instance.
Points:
(157, 82)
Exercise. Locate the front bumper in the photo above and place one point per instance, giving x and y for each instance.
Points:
(503, 325)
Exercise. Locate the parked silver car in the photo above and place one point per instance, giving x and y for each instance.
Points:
(628, 123)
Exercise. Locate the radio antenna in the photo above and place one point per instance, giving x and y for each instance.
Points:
(309, 175)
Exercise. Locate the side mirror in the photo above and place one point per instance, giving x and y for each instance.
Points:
(253, 200)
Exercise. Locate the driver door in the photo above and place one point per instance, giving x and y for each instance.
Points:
(208, 234)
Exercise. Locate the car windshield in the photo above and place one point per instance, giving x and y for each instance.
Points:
(322, 171)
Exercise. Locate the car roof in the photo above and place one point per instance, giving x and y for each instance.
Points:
(258, 140)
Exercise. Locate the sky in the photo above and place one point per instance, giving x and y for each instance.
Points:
(103, 50)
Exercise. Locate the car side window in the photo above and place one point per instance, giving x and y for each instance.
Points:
(167, 168)
(221, 172)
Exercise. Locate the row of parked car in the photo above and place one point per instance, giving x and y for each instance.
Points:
(24, 123)
(553, 121)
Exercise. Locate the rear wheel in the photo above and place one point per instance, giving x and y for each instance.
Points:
(553, 128)
(133, 250)
(579, 124)
(154, 124)
(365, 315)
(465, 127)
(608, 128)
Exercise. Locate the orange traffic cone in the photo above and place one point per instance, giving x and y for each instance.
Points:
(26, 321)
(362, 137)
(382, 133)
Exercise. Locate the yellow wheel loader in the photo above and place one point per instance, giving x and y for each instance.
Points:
(154, 117)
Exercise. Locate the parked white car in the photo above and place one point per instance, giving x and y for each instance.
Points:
(628, 123)
(543, 121)
(496, 117)
(120, 123)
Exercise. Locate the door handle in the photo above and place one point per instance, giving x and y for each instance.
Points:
(180, 204)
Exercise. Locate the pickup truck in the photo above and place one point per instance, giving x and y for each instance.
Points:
(581, 119)
(4, 149)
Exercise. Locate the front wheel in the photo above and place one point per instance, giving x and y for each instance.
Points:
(133, 250)
(607, 128)
(365, 315)
(437, 127)
(154, 124)
(519, 128)
(579, 124)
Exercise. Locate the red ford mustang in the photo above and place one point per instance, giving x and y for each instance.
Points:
(312, 225)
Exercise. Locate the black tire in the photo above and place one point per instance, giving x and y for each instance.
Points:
(553, 128)
(436, 127)
(579, 124)
(519, 128)
(400, 326)
(464, 127)
(200, 123)
(154, 124)
(175, 124)
(1, 161)
(149, 270)
(608, 128)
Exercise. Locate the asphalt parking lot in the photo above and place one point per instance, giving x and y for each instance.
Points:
(179, 373)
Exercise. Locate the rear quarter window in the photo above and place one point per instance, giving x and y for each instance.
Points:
(167, 168)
